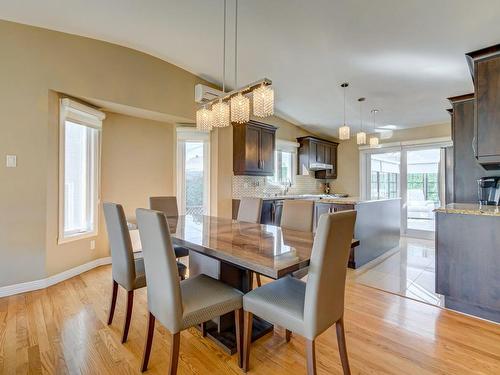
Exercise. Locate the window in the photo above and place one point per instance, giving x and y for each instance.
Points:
(384, 175)
(79, 165)
(285, 162)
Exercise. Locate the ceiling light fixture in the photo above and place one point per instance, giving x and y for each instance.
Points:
(344, 131)
(361, 136)
(239, 109)
(374, 140)
(204, 119)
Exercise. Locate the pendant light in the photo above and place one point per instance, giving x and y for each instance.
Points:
(344, 131)
(204, 119)
(361, 136)
(374, 140)
(240, 104)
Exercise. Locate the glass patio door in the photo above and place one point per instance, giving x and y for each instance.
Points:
(193, 175)
(423, 190)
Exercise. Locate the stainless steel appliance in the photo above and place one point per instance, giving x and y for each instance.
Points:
(489, 190)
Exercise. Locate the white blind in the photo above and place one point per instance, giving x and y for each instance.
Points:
(81, 114)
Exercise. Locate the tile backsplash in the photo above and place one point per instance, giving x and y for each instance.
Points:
(251, 186)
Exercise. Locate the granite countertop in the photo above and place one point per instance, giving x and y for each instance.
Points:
(469, 209)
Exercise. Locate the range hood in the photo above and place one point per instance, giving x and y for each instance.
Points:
(319, 167)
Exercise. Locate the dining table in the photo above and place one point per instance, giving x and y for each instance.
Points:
(232, 251)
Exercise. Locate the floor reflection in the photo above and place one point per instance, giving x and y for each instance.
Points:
(409, 271)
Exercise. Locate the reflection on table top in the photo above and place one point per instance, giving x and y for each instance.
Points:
(266, 249)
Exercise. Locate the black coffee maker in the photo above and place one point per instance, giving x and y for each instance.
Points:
(489, 190)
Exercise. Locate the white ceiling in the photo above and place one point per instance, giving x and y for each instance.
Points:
(405, 56)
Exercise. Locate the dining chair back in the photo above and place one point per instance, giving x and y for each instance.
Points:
(297, 215)
(167, 205)
(126, 271)
(325, 287)
(250, 210)
(122, 254)
(164, 293)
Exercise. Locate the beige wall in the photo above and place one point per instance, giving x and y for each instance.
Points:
(348, 168)
(33, 62)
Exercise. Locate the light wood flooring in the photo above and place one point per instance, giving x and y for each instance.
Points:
(62, 329)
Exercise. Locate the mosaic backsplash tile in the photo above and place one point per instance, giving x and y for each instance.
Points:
(251, 186)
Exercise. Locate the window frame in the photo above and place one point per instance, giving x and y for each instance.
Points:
(71, 110)
(290, 147)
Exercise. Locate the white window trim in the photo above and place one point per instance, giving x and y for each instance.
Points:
(184, 134)
(86, 116)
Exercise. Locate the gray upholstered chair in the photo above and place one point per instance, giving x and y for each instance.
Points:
(127, 271)
(249, 211)
(168, 205)
(309, 309)
(179, 305)
(298, 215)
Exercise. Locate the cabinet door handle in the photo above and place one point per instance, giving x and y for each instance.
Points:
(263, 163)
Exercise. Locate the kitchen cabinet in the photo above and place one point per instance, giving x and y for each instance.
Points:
(485, 68)
(465, 167)
(314, 150)
(253, 149)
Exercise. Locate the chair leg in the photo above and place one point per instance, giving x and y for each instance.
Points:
(342, 346)
(114, 294)
(238, 322)
(311, 357)
(204, 329)
(259, 281)
(130, 304)
(174, 353)
(247, 339)
(149, 342)
(288, 335)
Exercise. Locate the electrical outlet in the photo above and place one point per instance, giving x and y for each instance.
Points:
(92, 244)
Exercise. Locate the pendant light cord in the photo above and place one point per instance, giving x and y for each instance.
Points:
(344, 103)
(361, 113)
(236, 47)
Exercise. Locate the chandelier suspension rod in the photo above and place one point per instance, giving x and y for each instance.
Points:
(224, 52)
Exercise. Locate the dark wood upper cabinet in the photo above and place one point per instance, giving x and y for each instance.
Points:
(485, 68)
(253, 149)
(317, 150)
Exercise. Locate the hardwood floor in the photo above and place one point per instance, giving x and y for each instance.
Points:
(63, 329)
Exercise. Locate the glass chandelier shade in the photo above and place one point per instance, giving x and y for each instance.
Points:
(263, 101)
(220, 115)
(204, 119)
(240, 109)
(361, 138)
(374, 142)
(344, 133)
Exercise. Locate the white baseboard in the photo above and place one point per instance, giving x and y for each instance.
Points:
(29, 286)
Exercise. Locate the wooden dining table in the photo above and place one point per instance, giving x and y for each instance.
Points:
(232, 252)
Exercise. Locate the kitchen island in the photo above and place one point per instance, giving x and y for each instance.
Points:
(377, 227)
(468, 258)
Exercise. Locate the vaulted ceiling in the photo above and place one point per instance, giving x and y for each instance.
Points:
(405, 57)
